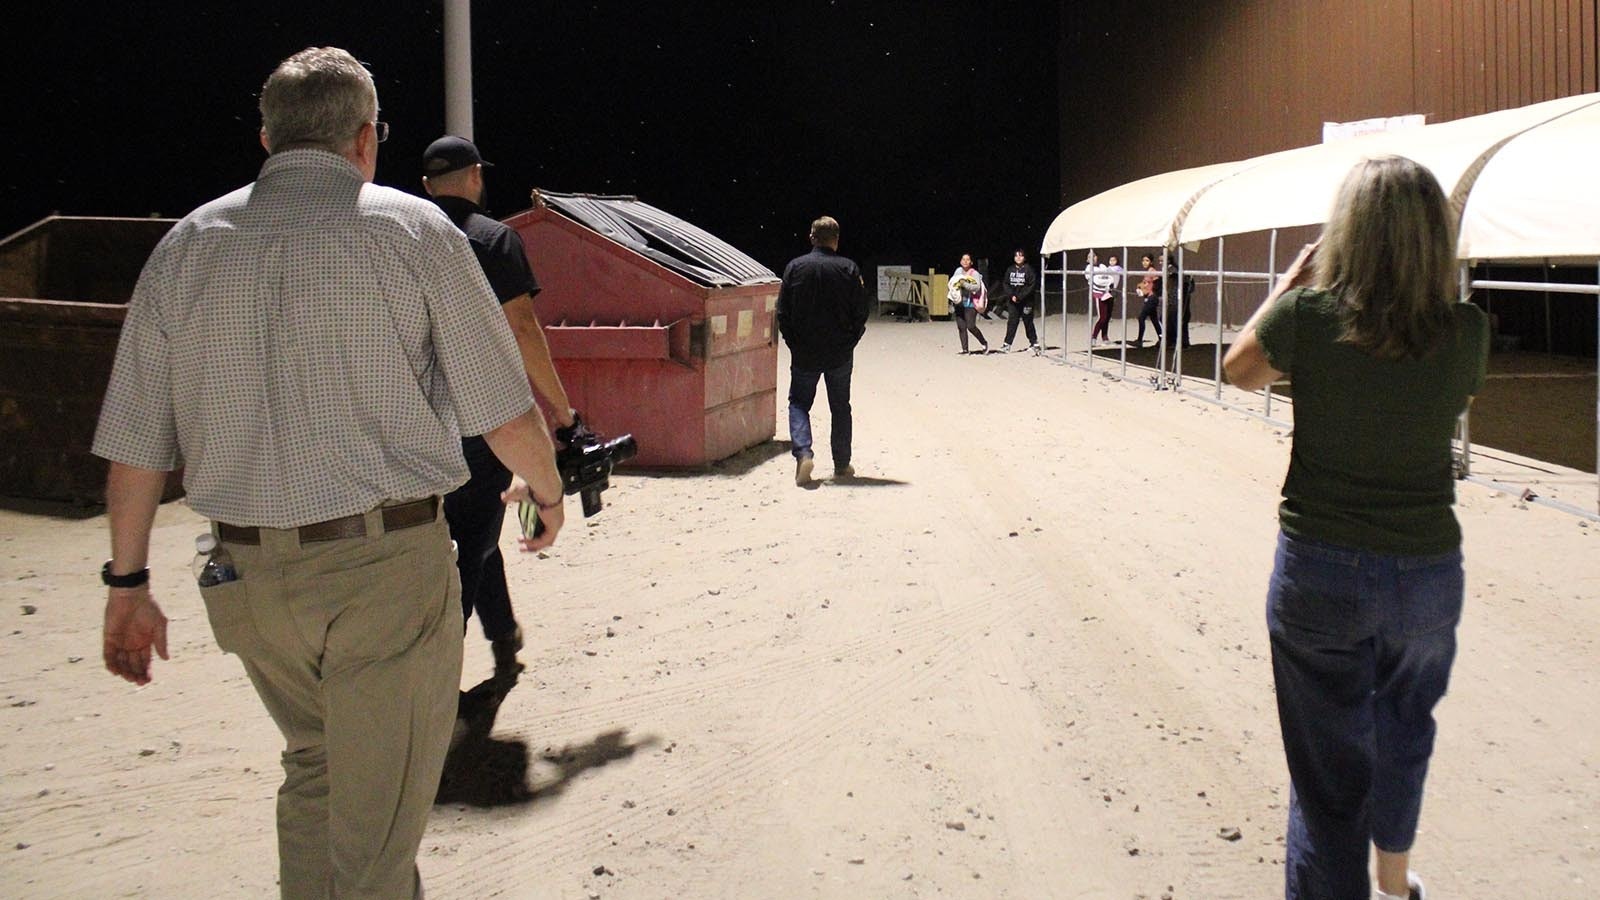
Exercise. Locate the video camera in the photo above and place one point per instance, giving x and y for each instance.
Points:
(585, 464)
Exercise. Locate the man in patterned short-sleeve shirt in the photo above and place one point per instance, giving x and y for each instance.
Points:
(311, 347)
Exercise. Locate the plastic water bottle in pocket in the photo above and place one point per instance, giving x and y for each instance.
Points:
(212, 564)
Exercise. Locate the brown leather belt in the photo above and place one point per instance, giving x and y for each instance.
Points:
(401, 515)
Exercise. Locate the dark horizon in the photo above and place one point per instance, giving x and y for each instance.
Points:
(927, 136)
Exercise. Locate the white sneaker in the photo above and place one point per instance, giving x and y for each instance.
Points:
(1414, 890)
(844, 471)
(802, 470)
(1005, 348)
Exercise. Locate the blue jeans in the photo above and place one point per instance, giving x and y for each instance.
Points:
(1362, 645)
(803, 392)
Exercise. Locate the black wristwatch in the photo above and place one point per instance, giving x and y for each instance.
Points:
(130, 580)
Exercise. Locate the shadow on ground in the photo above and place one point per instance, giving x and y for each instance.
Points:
(51, 509)
(867, 481)
(487, 772)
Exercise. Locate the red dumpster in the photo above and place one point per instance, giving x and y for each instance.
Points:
(656, 327)
(65, 282)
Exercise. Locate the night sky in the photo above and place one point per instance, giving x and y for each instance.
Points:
(926, 130)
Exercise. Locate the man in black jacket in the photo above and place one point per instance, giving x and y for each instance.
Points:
(1017, 286)
(822, 313)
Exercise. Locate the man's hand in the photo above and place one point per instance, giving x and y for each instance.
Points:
(553, 517)
(134, 623)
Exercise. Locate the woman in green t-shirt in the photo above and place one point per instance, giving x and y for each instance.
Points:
(1367, 584)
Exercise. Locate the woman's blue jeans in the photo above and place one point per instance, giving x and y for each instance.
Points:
(1362, 645)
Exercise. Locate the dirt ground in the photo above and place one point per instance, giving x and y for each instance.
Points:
(1022, 656)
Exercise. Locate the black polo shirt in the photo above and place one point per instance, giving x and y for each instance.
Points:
(498, 248)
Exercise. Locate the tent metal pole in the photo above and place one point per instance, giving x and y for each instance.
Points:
(1464, 291)
(1044, 307)
(1549, 335)
(1088, 343)
(1183, 334)
(1064, 318)
(1124, 259)
(1216, 372)
(1161, 354)
(1272, 276)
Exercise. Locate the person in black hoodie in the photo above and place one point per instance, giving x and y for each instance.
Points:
(1017, 287)
(822, 314)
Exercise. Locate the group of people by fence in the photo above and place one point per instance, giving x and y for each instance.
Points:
(1015, 292)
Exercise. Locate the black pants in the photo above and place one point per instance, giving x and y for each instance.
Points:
(1152, 311)
(1023, 311)
(475, 515)
(1175, 328)
(967, 320)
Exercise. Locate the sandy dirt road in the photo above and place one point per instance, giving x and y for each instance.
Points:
(1022, 656)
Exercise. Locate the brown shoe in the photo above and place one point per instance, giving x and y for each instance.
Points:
(802, 470)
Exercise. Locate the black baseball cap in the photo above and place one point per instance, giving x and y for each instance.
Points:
(448, 154)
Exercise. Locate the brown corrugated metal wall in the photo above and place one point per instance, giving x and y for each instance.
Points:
(1150, 86)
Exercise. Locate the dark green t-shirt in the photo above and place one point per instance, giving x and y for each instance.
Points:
(1370, 466)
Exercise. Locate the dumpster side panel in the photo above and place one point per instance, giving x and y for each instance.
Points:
(55, 362)
(605, 309)
(644, 398)
(741, 369)
(740, 425)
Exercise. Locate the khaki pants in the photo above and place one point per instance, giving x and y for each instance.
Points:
(354, 646)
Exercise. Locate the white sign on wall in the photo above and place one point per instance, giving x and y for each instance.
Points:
(1338, 131)
(885, 285)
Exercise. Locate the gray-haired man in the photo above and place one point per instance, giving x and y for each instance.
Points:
(311, 346)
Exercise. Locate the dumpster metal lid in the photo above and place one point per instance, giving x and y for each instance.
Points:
(660, 236)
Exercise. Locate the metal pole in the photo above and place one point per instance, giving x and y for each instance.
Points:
(1088, 345)
(1124, 312)
(1597, 391)
(1272, 277)
(1064, 317)
(1549, 337)
(1216, 371)
(1463, 291)
(458, 67)
(1044, 305)
(1183, 334)
(1166, 297)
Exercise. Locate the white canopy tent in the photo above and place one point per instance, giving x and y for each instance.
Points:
(1525, 180)
(1539, 197)
(1137, 214)
(1298, 187)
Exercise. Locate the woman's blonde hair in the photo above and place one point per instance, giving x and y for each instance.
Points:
(1388, 255)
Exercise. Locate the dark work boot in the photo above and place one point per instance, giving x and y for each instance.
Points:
(505, 653)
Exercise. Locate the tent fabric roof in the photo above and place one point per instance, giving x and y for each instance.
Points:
(1539, 197)
(1137, 214)
(1297, 187)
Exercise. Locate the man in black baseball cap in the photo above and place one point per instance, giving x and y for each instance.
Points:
(448, 154)
(453, 176)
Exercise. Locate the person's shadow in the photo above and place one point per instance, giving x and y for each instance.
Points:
(866, 481)
(487, 772)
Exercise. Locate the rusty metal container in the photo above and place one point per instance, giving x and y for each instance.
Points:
(65, 282)
(656, 327)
